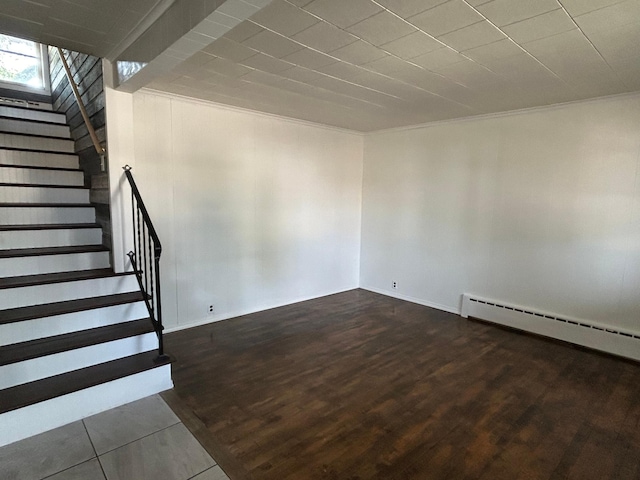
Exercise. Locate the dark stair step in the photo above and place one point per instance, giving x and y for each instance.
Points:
(52, 387)
(41, 347)
(47, 226)
(29, 167)
(35, 252)
(37, 135)
(37, 150)
(48, 205)
(70, 306)
(42, 185)
(33, 120)
(41, 279)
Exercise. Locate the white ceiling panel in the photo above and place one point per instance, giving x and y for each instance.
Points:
(343, 13)
(324, 37)
(409, 8)
(579, 7)
(619, 45)
(438, 58)
(487, 54)
(468, 73)
(272, 44)
(386, 66)
(545, 25)
(506, 12)
(474, 35)
(284, 18)
(446, 18)
(310, 58)
(412, 45)
(613, 16)
(91, 27)
(342, 70)
(267, 63)
(358, 52)
(381, 28)
(243, 31)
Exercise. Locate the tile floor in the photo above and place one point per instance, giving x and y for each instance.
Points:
(138, 441)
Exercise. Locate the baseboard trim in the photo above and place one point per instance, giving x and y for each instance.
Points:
(239, 313)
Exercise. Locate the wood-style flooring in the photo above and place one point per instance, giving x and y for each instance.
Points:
(362, 386)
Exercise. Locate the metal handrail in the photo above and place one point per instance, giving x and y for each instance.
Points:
(92, 132)
(145, 258)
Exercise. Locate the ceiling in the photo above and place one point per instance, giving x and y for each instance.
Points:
(363, 65)
(368, 65)
(97, 27)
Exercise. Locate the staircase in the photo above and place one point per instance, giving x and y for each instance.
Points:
(75, 337)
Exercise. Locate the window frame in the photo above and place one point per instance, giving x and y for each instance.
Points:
(43, 55)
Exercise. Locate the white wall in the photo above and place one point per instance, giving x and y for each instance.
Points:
(253, 211)
(539, 208)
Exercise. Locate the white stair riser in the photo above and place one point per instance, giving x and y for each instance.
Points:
(72, 237)
(63, 291)
(36, 176)
(41, 417)
(17, 266)
(56, 364)
(46, 215)
(43, 195)
(34, 128)
(71, 322)
(38, 159)
(36, 143)
(6, 111)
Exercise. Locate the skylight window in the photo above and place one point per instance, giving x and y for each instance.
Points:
(21, 62)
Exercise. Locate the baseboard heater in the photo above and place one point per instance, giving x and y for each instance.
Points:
(589, 334)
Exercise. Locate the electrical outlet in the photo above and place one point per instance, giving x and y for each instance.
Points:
(394, 284)
(210, 309)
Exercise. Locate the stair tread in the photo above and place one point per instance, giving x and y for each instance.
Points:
(51, 387)
(25, 134)
(26, 107)
(43, 185)
(41, 347)
(20, 314)
(49, 226)
(37, 150)
(39, 205)
(32, 120)
(47, 278)
(38, 167)
(32, 252)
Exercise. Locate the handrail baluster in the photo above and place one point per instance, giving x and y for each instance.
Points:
(146, 268)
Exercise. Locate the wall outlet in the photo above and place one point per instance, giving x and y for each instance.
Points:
(210, 309)
(394, 284)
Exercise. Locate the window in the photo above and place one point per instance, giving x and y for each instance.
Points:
(21, 62)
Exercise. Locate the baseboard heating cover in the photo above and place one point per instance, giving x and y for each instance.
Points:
(580, 332)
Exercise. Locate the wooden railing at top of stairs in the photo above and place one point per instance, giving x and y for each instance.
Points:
(85, 116)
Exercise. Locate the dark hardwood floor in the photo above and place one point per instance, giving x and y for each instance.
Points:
(362, 386)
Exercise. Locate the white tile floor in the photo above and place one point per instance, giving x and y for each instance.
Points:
(143, 440)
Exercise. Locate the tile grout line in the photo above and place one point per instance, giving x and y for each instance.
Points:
(104, 474)
(137, 439)
(77, 464)
(205, 470)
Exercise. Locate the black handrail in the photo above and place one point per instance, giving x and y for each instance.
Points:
(147, 268)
